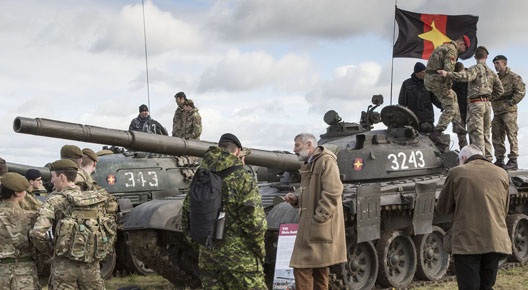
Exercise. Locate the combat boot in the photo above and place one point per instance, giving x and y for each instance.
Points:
(499, 162)
(511, 165)
(437, 140)
(459, 129)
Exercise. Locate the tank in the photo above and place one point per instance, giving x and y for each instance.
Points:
(391, 176)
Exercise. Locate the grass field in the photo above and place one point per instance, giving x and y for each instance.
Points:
(515, 278)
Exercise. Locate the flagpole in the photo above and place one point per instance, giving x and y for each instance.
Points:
(392, 55)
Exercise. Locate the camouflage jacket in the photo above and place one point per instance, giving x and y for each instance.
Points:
(177, 122)
(443, 57)
(15, 224)
(482, 81)
(85, 182)
(192, 125)
(30, 202)
(242, 248)
(514, 91)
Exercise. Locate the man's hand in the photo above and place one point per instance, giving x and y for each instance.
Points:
(290, 198)
(442, 72)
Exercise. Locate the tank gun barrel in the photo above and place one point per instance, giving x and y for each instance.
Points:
(21, 168)
(142, 141)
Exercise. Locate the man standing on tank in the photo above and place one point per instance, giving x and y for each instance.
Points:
(320, 240)
(444, 58)
(476, 193)
(484, 85)
(416, 98)
(179, 115)
(192, 121)
(505, 114)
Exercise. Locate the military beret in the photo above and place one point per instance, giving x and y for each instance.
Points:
(500, 57)
(483, 48)
(90, 153)
(71, 151)
(228, 137)
(466, 41)
(180, 95)
(63, 164)
(143, 108)
(14, 181)
(104, 152)
(32, 174)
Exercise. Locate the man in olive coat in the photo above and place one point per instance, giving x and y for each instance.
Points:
(320, 238)
(476, 192)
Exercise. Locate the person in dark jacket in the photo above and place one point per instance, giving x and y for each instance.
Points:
(145, 123)
(461, 89)
(416, 98)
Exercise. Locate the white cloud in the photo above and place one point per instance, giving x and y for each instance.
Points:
(246, 71)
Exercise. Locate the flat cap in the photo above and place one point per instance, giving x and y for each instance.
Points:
(90, 153)
(143, 108)
(63, 164)
(14, 181)
(500, 57)
(180, 95)
(228, 137)
(71, 151)
(32, 174)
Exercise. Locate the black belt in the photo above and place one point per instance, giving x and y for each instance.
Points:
(15, 260)
(479, 99)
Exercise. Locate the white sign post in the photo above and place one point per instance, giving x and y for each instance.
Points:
(283, 277)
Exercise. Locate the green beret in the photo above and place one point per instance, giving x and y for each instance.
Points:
(14, 181)
(63, 164)
(90, 153)
(71, 151)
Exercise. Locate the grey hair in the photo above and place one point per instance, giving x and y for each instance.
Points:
(469, 150)
(305, 138)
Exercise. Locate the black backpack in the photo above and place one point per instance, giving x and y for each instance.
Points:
(205, 199)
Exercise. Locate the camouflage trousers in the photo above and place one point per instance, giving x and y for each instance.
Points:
(479, 126)
(233, 280)
(451, 112)
(70, 275)
(462, 138)
(19, 276)
(505, 125)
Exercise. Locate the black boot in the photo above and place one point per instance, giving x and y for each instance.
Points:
(511, 165)
(437, 140)
(459, 129)
(499, 162)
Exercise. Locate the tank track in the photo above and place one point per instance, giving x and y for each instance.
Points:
(146, 245)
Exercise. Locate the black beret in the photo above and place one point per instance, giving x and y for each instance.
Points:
(14, 181)
(180, 95)
(90, 153)
(71, 151)
(143, 108)
(500, 57)
(63, 164)
(32, 174)
(228, 137)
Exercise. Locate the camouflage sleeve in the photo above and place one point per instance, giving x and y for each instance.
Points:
(450, 60)
(251, 214)
(519, 90)
(469, 75)
(331, 192)
(498, 89)
(45, 220)
(197, 126)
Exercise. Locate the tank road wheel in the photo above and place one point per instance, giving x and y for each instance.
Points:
(138, 265)
(362, 266)
(433, 260)
(108, 264)
(518, 230)
(397, 259)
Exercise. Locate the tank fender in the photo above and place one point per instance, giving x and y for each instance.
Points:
(162, 214)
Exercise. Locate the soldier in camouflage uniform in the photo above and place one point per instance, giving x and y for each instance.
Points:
(30, 202)
(18, 270)
(484, 85)
(179, 115)
(192, 122)
(65, 273)
(236, 261)
(444, 58)
(505, 114)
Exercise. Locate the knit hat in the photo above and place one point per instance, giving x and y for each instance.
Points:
(418, 67)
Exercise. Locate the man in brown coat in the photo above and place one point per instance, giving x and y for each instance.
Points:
(476, 192)
(320, 238)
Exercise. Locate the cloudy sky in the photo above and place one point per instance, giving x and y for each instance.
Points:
(262, 69)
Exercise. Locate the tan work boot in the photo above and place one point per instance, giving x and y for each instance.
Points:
(459, 129)
(511, 165)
